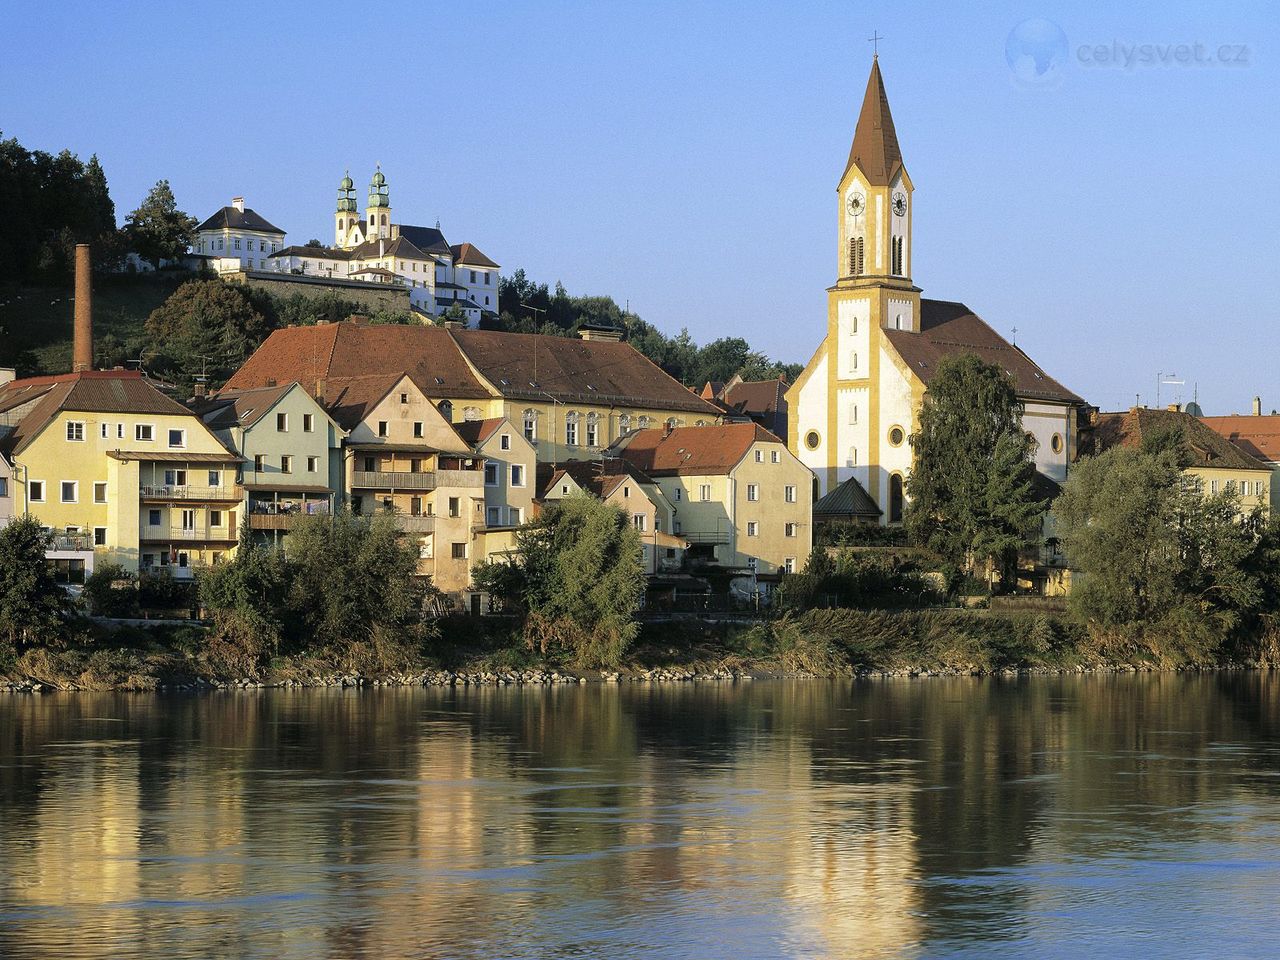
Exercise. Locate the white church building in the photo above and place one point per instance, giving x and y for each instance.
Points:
(858, 399)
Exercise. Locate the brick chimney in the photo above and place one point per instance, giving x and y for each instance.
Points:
(1257, 406)
(238, 203)
(82, 347)
(201, 390)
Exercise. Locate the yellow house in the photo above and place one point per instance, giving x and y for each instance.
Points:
(741, 498)
(570, 398)
(120, 472)
(510, 466)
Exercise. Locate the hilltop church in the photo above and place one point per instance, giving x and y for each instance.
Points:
(858, 399)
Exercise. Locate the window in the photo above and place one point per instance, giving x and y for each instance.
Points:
(641, 522)
(896, 436)
(286, 464)
(855, 362)
(857, 259)
(100, 491)
(237, 243)
(459, 551)
(177, 438)
(530, 426)
(517, 475)
(775, 456)
(473, 276)
(308, 422)
(753, 528)
(678, 494)
(753, 492)
(313, 464)
(382, 428)
(704, 492)
(175, 478)
(811, 440)
(895, 498)
(446, 410)
(504, 442)
(370, 464)
(215, 478)
(789, 565)
(624, 423)
(1213, 487)
(259, 463)
(282, 422)
(99, 536)
(404, 398)
(4, 486)
(593, 432)
(119, 431)
(188, 521)
(215, 518)
(153, 518)
(490, 474)
(70, 491)
(790, 529)
(789, 493)
(417, 429)
(144, 432)
(455, 507)
(75, 430)
(759, 456)
(493, 517)
(571, 430)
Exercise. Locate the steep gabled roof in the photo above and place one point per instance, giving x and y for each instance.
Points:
(530, 366)
(948, 328)
(1257, 436)
(598, 477)
(243, 408)
(476, 432)
(350, 399)
(230, 218)
(756, 397)
(691, 451)
(875, 148)
(470, 255)
(1204, 445)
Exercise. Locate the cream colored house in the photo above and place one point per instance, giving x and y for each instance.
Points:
(741, 499)
(621, 484)
(510, 470)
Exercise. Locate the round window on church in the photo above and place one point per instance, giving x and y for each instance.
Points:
(811, 439)
(896, 436)
(1056, 443)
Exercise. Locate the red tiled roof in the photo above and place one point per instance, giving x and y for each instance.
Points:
(476, 432)
(1257, 436)
(1204, 445)
(469, 254)
(598, 477)
(948, 328)
(756, 397)
(691, 451)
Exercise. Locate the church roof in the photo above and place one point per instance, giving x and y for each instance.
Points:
(948, 328)
(232, 218)
(849, 499)
(428, 239)
(401, 247)
(875, 143)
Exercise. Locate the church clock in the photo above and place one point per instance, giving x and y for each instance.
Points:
(900, 203)
(857, 203)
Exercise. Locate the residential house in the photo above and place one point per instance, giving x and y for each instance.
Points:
(761, 401)
(292, 451)
(858, 400)
(570, 398)
(510, 466)
(237, 238)
(119, 472)
(401, 454)
(1258, 436)
(1216, 464)
(742, 500)
(620, 483)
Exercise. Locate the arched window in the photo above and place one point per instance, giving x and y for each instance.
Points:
(857, 246)
(384, 219)
(571, 429)
(624, 423)
(895, 498)
(898, 263)
(853, 413)
(531, 425)
(593, 430)
(672, 422)
(644, 423)
(446, 409)
(855, 362)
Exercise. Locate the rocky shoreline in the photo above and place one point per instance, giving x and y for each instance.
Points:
(548, 678)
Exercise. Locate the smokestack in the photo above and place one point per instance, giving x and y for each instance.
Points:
(82, 348)
(1257, 406)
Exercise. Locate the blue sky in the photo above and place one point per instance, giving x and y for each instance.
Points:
(684, 157)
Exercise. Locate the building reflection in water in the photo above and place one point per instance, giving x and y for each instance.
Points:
(784, 819)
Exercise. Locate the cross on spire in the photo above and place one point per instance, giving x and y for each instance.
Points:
(874, 40)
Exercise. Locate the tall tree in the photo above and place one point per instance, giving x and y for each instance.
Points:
(206, 327)
(971, 487)
(158, 230)
(32, 605)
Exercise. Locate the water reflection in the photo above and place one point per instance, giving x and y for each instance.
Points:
(1045, 817)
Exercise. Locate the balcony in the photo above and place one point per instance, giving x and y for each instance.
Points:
(705, 536)
(393, 480)
(272, 521)
(468, 479)
(410, 524)
(71, 543)
(230, 494)
(161, 534)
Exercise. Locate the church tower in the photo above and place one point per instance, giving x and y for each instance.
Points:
(378, 211)
(345, 218)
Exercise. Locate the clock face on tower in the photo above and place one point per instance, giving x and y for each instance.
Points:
(857, 203)
(900, 203)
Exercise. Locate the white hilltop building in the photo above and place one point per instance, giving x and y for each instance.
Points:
(237, 238)
(376, 249)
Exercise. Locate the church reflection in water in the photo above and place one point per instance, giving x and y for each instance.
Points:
(775, 819)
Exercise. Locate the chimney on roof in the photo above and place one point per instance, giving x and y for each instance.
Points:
(320, 388)
(7, 375)
(238, 203)
(453, 323)
(1174, 408)
(1257, 406)
(598, 331)
(201, 391)
(82, 346)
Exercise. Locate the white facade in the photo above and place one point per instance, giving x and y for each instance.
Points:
(238, 239)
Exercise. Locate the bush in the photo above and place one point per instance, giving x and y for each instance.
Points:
(111, 591)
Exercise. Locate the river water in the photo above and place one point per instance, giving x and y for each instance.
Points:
(1130, 816)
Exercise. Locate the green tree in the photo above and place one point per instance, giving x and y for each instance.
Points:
(158, 230)
(32, 605)
(972, 484)
(206, 326)
(111, 591)
(247, 597)
(582, 580)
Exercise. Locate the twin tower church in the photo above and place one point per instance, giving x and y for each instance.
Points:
(853, 408)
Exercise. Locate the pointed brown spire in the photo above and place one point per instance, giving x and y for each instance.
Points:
(875, 142)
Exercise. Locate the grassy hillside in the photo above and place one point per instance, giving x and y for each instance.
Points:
(36, 322)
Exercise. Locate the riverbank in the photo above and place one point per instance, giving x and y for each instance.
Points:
(470, 652)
